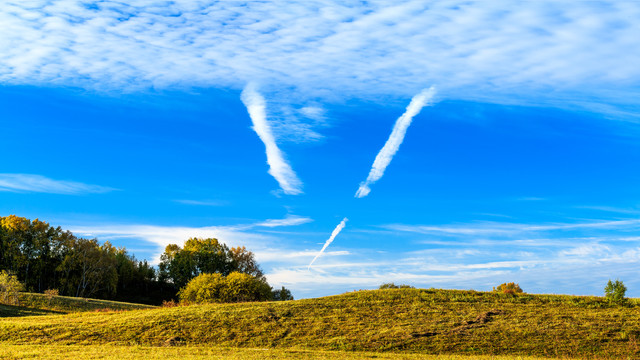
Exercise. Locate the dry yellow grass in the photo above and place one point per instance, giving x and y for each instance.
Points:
(122, 352)
(384, 321)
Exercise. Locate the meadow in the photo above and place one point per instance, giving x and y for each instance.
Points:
(394, 323)
(123, 352)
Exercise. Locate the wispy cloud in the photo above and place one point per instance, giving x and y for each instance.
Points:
(468, 260)
(335, 233)
(584, 268)
(544, 52)
(201, 202)
(384, 157)
(611, 209)
(279, 255)
(232, 235)
(507, 228)
(41, 184)
(290, 220)
(279, 168)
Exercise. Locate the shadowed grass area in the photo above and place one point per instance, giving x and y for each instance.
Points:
(40, 304)
(106, 352)
(19, 311)
(406, 320)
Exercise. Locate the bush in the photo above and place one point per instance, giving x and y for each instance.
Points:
(615, 291)
(236, 287)
(508, 288)
(50, 294)
(9, 288)
(394, 286)
(169, 304)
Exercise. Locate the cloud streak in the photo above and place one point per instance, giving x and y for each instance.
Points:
(201, 202)
(279, 168)
(390, 148)
(41, 184)
(512, 229)
(335, 233)
(161, 236)
(290, 220)
(531, 261)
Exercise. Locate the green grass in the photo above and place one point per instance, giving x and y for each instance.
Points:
(39, 304)
(63, 352)
(407, 321)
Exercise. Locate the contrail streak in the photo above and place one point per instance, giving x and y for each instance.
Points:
(395, 139)
(279, 168)
(335, 233)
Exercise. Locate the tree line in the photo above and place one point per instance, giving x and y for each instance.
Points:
(44, 257)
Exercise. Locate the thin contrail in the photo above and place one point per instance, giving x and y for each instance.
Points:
(279, 168)
(395, 139)
(335, 233)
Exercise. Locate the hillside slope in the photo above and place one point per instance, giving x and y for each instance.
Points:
(39, 304)
(428, 321)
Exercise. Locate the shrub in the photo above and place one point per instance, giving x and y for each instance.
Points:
(9, 288)
(50, 294)
(508, 288)
(243, 287)
(169, 304)
(615, 291)
(394, 286)
(236, 287)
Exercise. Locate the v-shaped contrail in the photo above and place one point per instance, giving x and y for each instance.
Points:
(395, 139)
(279, 168)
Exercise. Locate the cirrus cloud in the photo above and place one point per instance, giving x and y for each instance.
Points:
(582, 54)
(42, 184)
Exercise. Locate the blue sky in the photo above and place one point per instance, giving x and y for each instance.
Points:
(141, 124)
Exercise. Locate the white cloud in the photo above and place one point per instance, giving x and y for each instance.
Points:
(273, 255)
(290, 220)
(235, 235)
(462, 262)
(279, 168)
(580, 54)
(41, 184)
(509, 229)
(201, 202)
(334, 233)
(587, 250)
(390, 148)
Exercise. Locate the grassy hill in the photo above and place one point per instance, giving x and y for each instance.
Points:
(407, 320)
(31, 304)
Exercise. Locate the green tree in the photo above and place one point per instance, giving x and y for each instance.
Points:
(210, 256)
(244, 261)
(177, 266)
(136, 279)
(89, 269)
(615, 291)
(46, 258)
(9, 288)
(281, 295)
(199, 256)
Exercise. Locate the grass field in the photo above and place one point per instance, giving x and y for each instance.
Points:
(107, 352)
(385, 322)
(31, 304)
